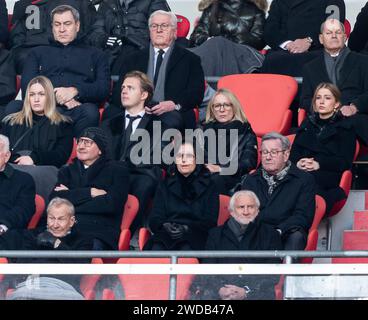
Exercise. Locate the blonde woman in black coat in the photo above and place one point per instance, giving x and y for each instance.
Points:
(39, 134)
(325, 144)
(224, 117)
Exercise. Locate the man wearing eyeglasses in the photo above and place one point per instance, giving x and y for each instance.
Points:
(286, 194)
(97, 187)
(122, 26)
(177, 73)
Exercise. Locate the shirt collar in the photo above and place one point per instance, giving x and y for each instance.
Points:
(142, 113)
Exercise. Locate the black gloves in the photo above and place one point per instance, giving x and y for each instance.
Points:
(175, 231)
(46, 239)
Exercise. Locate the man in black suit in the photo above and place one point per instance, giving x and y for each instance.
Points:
(122, 125)
(291, 30)
(177, 73)
(338, 65)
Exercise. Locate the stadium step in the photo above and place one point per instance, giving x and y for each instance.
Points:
(354, 240)
(360, 220)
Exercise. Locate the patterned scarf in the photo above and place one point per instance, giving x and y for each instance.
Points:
(274, 181)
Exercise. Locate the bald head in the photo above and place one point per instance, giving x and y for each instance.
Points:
(332, 36)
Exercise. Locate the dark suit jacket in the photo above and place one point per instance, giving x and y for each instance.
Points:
(114, 125)
(184, 79)
(295, 19)
(353, 81)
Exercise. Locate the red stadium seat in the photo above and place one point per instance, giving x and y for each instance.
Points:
(130, 211)
(40, 208)
(265, 99)
(183, 26)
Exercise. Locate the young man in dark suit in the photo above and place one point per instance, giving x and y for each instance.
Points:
(121, 123)
(177, 73)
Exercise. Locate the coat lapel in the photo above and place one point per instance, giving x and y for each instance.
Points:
(347, 68)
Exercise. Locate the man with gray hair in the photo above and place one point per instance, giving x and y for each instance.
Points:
(338, 65)
(17, 193)
(286, 193)
(80, 74)
(60, 234)
(122, 25)
(242, 231)
(176, 73)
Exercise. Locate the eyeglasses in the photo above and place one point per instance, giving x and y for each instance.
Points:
(86, 142)
(163, 26)
(187, 156)
(273, 153)
(226, 106)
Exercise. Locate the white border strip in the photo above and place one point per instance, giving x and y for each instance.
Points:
(260, 269)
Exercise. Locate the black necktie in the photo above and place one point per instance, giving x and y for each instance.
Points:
(158, 65)
(127, 134)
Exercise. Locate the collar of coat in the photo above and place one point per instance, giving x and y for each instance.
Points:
(293, 172)
(204, 4)
(337, 121)
(199, 185)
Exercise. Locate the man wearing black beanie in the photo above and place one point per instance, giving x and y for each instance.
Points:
(97, 187)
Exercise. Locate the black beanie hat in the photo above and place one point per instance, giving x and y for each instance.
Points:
(98, 135)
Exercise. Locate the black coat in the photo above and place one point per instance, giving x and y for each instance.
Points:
(296, 19)
(27, 240)
(247, 144)
(99, 217)
(130, 24)
(358, 40)
(198, 211)
(21, 36)
(332, 145)
(3, 23)
(184, 77)
(257, 236)
(17, 198)
(7, 78)
(75, 64)
(239, 21)
(292, 203)
(352, 82)
(114, 125)
(50, 144)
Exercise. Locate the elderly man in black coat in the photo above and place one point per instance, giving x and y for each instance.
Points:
(59, 235)
(122, 26)
(177, 73)
(286, 193)
(80, 74)
(243, 231)
(338, 65)
(97, 187)
(17, 193)
(31, 25)
(291, 30)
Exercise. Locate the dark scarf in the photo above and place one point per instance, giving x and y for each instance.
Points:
(334, 64)
(237, 228)
(274, 181)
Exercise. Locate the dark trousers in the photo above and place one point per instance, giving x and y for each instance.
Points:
(84, 116)
(143, 187)
(295, 240)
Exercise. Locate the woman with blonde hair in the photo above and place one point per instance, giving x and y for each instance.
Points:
(39, 134)
(325, 143)
(225, 120)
